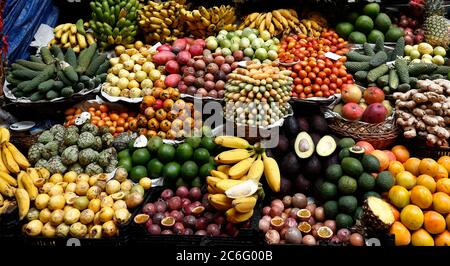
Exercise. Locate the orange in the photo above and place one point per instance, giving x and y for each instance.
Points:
(398, 196)
(441, 173)
(401, 233)
(368, 148)
(428, 166)
(395, 212)
(382, 158)
(412, 217)
(421, 238)
(443, 185)
(445, 161)
(421, 197)
(427, 181)
(412, 165)
(401, 153)
(395, 167)
(405, 179)
(442, 239)
(441, 202)
(434, 222)
(390, 155)
(447, 221)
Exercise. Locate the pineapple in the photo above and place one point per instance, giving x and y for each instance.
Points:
(435, 25)
(377, 215)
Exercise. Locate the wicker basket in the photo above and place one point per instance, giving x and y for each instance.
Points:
(380, 135)
(23, 140)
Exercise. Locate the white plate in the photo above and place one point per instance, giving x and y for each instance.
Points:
(22, 126)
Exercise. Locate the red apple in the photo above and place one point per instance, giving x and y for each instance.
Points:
(352, 111)
(375, 113)
(351, 93)
(373, 95)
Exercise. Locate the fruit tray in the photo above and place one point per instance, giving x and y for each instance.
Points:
(245, 237)
(120, 240)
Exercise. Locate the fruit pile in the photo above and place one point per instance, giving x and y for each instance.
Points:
(255, 44)
(83, 149)
(132, 73)
(425, 53)
(370, 107)
(56, 74)
(78, 205)
(204, 22)
(161, 22)
(185, 212)
(369, 27)
(421, 198)
(294, 220)
(101, 116)
(187, 163)
(257, 95)
(165, 115)
(73, 35)
(414, 34)
(115, 21)
(314, 74)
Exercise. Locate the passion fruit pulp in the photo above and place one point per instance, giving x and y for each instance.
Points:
(277, 222)
(324, 232)
(304, 214)
(141, 218)
(168, 221)
(304, 227)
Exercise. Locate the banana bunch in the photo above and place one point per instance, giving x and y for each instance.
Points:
(234, 184)
(114, 21)
(203, 22)
(162, 22)
(11, 159)
(310, 28)
(73, 35)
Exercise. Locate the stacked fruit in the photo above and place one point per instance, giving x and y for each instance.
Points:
(204, 22)
(258, 94)
(425, 53)
(132, 73)
(162, 22)
(185, 212)
(114, 21)
(73, 35)
(414, 34)
(422, 197)
(77, 205)
(370, 107)
(187, 163)
(255, 44)
(101, 116)
(314, 74)
(294, 220)
(56, 74)
(283, 21)
(83, 149)
(369, 27)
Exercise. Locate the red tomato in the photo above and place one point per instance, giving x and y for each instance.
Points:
(308, 69)
(315, 87)
(299, 88)
(307, 90)
(302, 74)
(342, 72)
(311, 75)
(339, 82)
(297, 81)
(318, 94)
(327, 71)
(322, 74)
(306, 82)
(326, 81)
(333, 78)
(297, 67)
(318, 81)
(332, 86)
(324, 87)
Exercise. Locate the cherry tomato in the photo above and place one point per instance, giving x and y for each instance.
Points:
(318, 81)
(333, 86)
(299, 88)
(322, 75)
(318, 94)
(307, 90)
(297, 67)
(306, 82)
(315, 87)
(311, 75)
(297, 81)
(324, 87)
(342, 72)
(339, 82)
(327, 71)
(308, 69)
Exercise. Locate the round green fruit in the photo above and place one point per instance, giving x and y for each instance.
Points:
(166, 153)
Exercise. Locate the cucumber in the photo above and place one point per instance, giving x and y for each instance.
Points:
(398, 50)
(103, 68)
(355, 56)
(50, 95)
(436, 76)
(47, 55)
(377, 72)
(58, 85)
(404, 87)
(97, 81)
(85, 58)
(402, 70)
(387, 90)
(443, 70)
(36, 59)
(46, 85)
(70, 73)
(102, 77)
(57, 52)
(37, 96)
(361, 75)
(393, 79)
(16, 66)
(368, 50)
(378, 59)
(31, 65)
(13, 80)
(379, 45)
(413, 82)
(23, 84)
(95, 64)
(424, 76)
(70, 57)
(67, 91)
(62, 77)
(90, 85)
(18, 93)
(78, 87)
(421, 68)
(47, 74)
(84, 78)
(354, 67)
(383, 81)
(25, 74)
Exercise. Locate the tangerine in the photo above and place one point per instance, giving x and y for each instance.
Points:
(395, 167)
(401, 233)
(428, 166)
(412, 217)
(401, 153)
(427, 181)
(434, 222)
(441, 202)
(412, 165)
(443, 239)
(421, 238)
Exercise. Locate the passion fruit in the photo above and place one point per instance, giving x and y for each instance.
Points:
(57, 217)
(71, 187)
(92, 180)
(94, 205)
(356, 240)
(126, 185)
(324, 232)
(107, 202)
(118, 195)
(62, 230)
(168, 221)
(56, 178)
(93, 192)
(138, 189)
(141, 218)
(109, 229)
(277, 222)
(46, 187)
(112, 186)
(304, 214)
(81, 203)
(71, 216)
(33, 214)
(56, 190)
(78, 230)
(304, 227)
(121, 216)
(106, 214)
(287, 201)
(120, 204)
(48, 230)
(82, 178)
(197, 210)
(44, 215)
(145, 182)
(134, 199)
(121, 174)
(293, 236)
(70, 177)
(41, 201)
(56, 202)
(309, 240)
(34, 228)
(319, 214)
(87, 216)
(70, 197)
(101, 184)
(272, 237)
(95, 232)
(82, 188)
(299, 200)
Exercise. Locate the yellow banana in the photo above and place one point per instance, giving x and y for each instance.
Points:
(212, 180)
(73, 39)
(5, 135)
(73, 29)
(66, 27)
(43, 173)
(23, 201)
(280, 18)
(20, 159)
(233, 156)
(268, 19)
(212, 190)
(58, 34)
(256, 170)
(65, 37)
(90, 38)
(81, 40)
(9, 161)
(6, 189)
(67, 45)
(244, 205)
(241, 168)
(262, 26)
(218, 174)
(3, 167)
(272, 173)
(272, 29)
(220, 201)
(260, 19)
(224, 168)
(232, 142)
(252, 16)
(204, 12)
(236, 217)
(28, 185)
(225, 184)
(59, 27)
(9, 179)
(1, 202)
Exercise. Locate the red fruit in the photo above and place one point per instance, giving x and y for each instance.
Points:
(179, 45)
(172, 67)
(352, 111)
(373, 95)
(351, 93)
(368, 148)
(158, 104)
(375, 113)
(196, 49)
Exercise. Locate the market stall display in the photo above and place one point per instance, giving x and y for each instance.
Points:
(73, 35)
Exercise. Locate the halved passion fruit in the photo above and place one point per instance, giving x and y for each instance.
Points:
(304, 214)
(141, 218)
(324, 232)
(168, 221)
(304, 227)
(118, 195)
(277, 222)
(198, 210)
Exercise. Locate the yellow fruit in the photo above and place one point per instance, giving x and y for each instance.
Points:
(441, 202)
(445, 161)
(225, 184)
(23, 201)
(9, 179)
(405, 179)
(244, 205)
(427, 181)
(396, 167)
(5, 135)
(399, 196)
(434, 222)
(20, 159)
(401, 153)
(442, 239)
(421, 197)
(28, 185)
(412, 217)
(443, 185)
(241, 168)
(236, 217)
(233, 156)
(441, 173)
(220, 201)
(218, 174)
(421, 238)
(412, 165)
(232, 142)
(256, 170)
(8, 160)
(401, 233)
(272, 173)
(224, 168)
(428, 166)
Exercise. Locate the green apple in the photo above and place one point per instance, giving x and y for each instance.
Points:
(408, 49)
(414, 54)
(438, 60)
(439, 50)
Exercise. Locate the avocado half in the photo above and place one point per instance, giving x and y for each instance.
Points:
(326, 146)
(356, 152)
(304, 145)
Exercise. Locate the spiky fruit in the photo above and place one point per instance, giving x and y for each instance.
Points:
(377, 214)
(435, 25)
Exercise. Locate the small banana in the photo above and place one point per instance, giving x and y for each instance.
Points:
(1, 202)
(219, 174)
(244, 205)
(5, 135)
(20, 159)
(58, 34)
(235, 217)
(73, 29)
(3, 167)
(23, 201)
(65, 37)
(212, 180)
(272, 173)
(232, 142)
(28, 185)
(8, 179)
(9, 161)
(81, 41)
(220, 201)
(233, 156)
(225, 184)
(256, 170)
(241, 168)
(59, 27)
(73, 39)
(66, 27)
(224, 168)
(6, 189)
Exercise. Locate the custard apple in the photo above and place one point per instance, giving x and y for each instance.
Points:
(85, 140)
(50, 149)
(34, 153)
(103, 130)
(72, 129)
(93, 169)
(107, 139)
(110, 168)
(77, 168)
(45, 137)
(97, 144)
(42, 163)
(58, 128)
(70, 155)
(87, 156)
(88, 127)
(55, 165)
(70, 138)
(106, 156)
